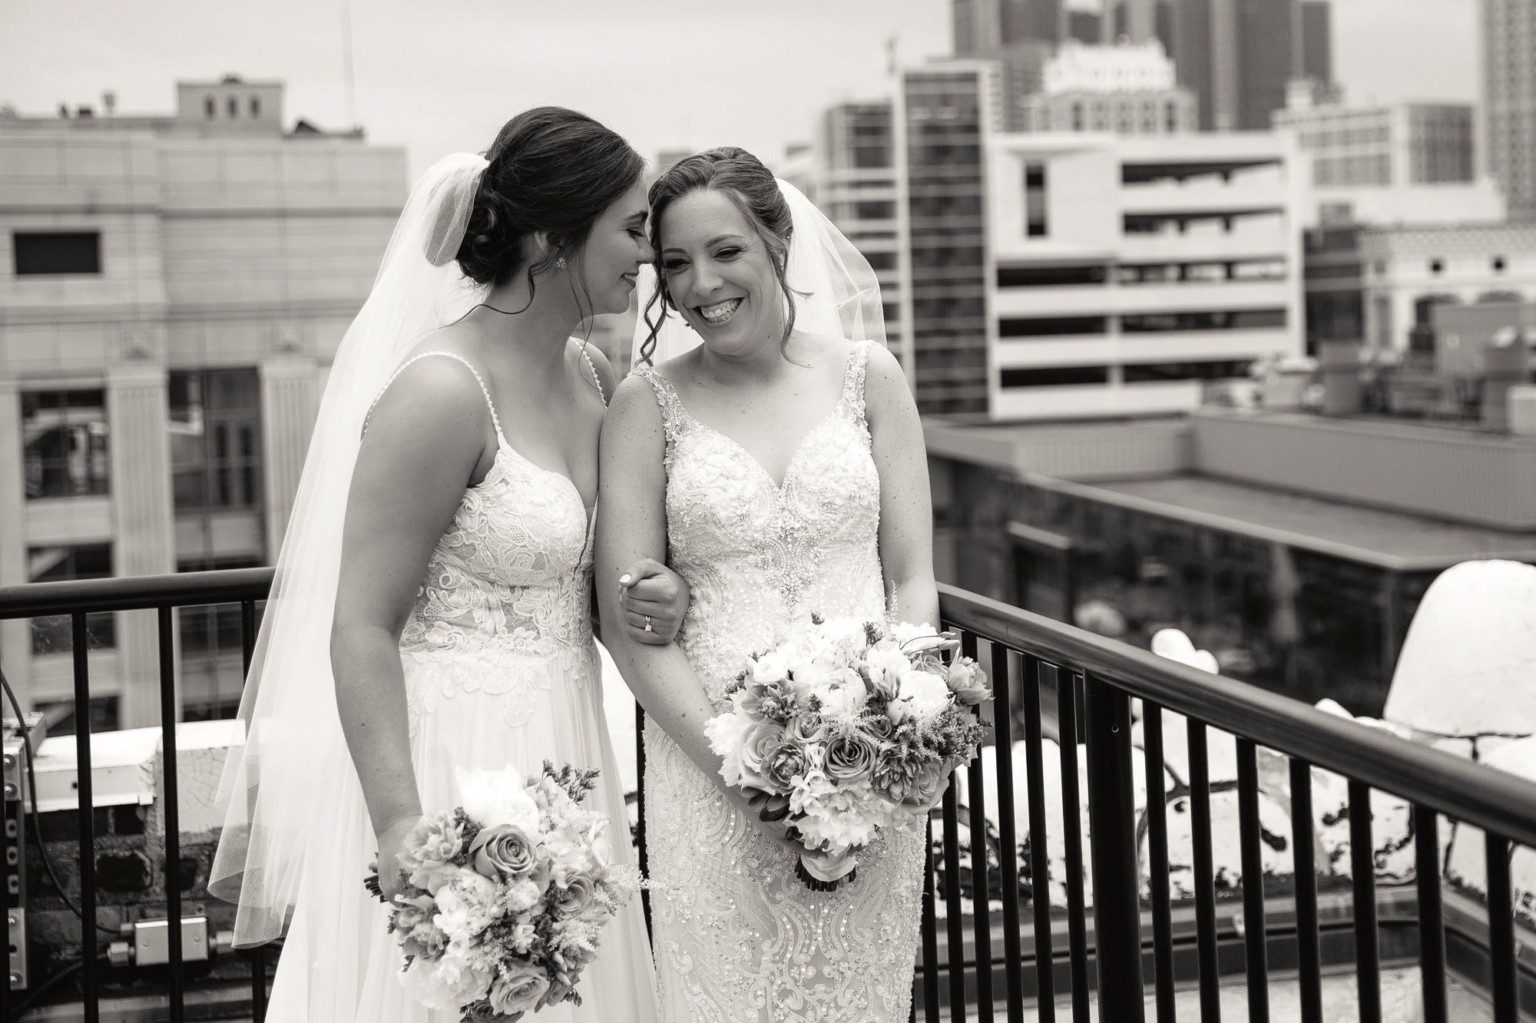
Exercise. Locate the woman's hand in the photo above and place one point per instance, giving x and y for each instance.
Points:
(654, 600)
(391, 846)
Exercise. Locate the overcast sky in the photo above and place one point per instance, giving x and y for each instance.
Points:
(442, 75)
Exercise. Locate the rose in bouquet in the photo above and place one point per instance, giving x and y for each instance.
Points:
(845, 727)
(503, 898)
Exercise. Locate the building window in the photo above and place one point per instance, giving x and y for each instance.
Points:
(1163, 371)
(1498, 264)
(1205, 319)
(1436, 266)
(65, 443)
(52, 253)
(215, 420)
(208, 107)
(1053, 326)
(1035, 225)
(234, 107)
(56, 564)
(255, 107)
(881, 260)
(1056, 376)
(1049, 276)
(104, 714)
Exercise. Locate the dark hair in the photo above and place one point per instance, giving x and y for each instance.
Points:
(743, 179)
(552, 170)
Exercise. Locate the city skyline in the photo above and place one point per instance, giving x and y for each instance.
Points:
(1379, 56)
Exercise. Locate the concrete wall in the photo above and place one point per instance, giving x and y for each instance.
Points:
(1476, 478)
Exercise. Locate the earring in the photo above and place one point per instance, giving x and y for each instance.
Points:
(560, 263)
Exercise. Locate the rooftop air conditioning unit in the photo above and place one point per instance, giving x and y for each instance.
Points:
(1522, 410)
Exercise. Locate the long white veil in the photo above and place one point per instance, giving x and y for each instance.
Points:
(836, 292)
(293, 765)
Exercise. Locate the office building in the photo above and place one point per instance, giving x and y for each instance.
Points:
(944, 113)
(1399, 163)
(1509, 100)
(1409, 271)
(1125, 274)
(174, 287)
(1128, 89)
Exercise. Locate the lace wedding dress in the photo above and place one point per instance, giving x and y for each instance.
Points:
(737, 937)
(500, 667)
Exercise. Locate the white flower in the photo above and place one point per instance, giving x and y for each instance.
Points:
(810, 789)
(922, 696)
(599, 845)
(497, 797)
(727, 735)
(914, 639)
(449, 982)
(567, 856)
(770, 667)
(466, 905)
(842, 701)
(523, 896)
(886, 665)
(848, 829)
(807, 675)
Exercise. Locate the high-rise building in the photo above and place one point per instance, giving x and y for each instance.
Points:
(1237, 56)
(984, 26)
(1128, 89)
(1126, 272)
(1019, 36)
(944, 113)
(1085, 26)
(856, 188)
(1317, 41)
(1383, 164)
(1509, 100)
(174, 286)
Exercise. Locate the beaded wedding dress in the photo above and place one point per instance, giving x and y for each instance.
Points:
(738, 938)
(500, 667)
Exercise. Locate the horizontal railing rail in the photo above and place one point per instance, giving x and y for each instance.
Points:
(1034, 663)
(1093, 682)
(161, 594)
(1472, 793)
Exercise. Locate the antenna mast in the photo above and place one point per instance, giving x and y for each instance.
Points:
(346, 63)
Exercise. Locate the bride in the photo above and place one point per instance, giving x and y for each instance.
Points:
(430, 609)
(780, 468)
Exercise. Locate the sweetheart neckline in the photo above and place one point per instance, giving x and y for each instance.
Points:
(504, 446)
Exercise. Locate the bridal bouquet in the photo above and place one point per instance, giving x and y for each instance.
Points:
(505, 896)
(844, 727)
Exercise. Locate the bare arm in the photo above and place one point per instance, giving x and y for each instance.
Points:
(421, 448)
(906, 505)
(631, 526)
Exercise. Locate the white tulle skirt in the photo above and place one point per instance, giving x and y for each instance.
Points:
(339, 964)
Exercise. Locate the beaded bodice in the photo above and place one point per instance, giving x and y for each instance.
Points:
(760, 556)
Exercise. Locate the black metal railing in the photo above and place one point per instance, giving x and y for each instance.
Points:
(161, 594)
(970, 964)
(1094, 681)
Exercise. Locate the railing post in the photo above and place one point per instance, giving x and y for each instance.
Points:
(1112, 839)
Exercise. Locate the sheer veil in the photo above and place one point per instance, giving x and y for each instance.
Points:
(835, 289)
(277, 789)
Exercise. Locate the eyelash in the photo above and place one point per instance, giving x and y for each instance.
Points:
(730, 253)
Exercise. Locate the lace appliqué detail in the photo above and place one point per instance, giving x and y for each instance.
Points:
(504, 607)
(737, 936)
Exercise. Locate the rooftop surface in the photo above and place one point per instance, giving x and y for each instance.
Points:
(1390, 540)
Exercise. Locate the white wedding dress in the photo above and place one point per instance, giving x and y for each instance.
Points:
(737, 937)
(500, 667)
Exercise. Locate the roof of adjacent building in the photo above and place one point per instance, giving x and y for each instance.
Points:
(1391, 540)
